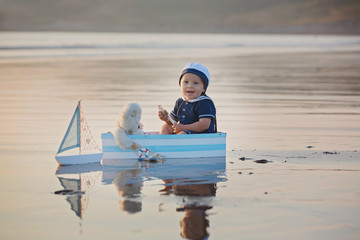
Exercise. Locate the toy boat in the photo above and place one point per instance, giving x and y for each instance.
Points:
(203, 145)
(78, 136)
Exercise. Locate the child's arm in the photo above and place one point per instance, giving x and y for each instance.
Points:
(199, 126)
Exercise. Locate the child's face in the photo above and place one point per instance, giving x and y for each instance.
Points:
(192, 86)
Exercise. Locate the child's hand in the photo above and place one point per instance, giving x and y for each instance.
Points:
(162, 116)
(165, 116)
(178, 127)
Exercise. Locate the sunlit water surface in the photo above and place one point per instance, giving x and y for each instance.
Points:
(296, 96)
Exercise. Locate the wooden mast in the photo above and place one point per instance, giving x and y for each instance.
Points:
(79, 125)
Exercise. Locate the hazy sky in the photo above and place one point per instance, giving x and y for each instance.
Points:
(302, 16)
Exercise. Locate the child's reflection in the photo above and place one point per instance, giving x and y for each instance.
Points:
(128, 184)
(194, 223)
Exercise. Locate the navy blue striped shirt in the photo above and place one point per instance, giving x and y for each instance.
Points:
(188, 112)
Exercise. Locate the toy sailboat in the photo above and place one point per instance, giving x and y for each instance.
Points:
(78, 135)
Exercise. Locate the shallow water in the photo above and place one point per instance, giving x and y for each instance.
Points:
(297, 99)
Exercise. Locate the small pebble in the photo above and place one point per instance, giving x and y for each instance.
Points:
(330, 153)
(262, 161)
(250, 173)
(239, 172)
(242, 158)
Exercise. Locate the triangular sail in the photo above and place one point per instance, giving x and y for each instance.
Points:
(72, 135)
(87, 141)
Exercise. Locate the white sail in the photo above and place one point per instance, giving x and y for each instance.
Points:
(72, 136)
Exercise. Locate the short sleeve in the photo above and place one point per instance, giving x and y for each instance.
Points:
(206, 109)
(176, 107)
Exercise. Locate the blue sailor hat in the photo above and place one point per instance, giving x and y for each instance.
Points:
(198, 69)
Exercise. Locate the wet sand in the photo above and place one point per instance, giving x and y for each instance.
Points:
(302, 194)
(298, 111)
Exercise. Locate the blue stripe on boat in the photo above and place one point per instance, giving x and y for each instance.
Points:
(186, 148)
(181, 136)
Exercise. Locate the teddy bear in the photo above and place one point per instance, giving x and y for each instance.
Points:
(128, 123)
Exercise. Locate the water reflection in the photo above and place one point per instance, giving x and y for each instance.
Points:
(77, 181)
(193, 179)
(128, 184)
(194, 224)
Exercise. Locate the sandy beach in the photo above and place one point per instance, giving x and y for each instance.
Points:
(297, 110)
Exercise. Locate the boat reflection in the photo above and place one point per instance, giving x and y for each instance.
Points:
(209, 170)
(193, 179)
(77, 181)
